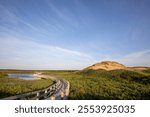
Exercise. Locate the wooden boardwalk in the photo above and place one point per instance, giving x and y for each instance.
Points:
(58, 91)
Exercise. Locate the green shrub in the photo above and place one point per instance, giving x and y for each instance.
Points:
(101, 84)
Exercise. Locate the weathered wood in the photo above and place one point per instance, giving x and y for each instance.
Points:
(26, 95)
(46, 93)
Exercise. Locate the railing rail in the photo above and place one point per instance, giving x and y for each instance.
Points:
(39, 94)
(59, 90)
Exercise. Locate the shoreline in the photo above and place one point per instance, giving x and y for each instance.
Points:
(40, 76)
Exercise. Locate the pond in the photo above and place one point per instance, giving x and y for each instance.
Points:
(23, 76)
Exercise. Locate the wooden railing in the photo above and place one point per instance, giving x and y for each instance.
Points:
(59, 90)
(63, 94)
(36, 95)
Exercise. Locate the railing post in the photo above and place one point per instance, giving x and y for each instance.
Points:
(52, 98)
(37, 96)
(62, 95)
(46, 93)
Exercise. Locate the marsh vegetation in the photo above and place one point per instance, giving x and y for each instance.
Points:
(101, 84)
(86, 84)
(13, 86)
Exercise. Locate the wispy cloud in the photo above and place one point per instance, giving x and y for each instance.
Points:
(9, 22)
(141, 58)
(65, 15)
(84, 13)
(31, 55)
(6, 15)
(68, 29)
(18, 51)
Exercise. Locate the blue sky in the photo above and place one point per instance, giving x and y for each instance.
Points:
(73, 34)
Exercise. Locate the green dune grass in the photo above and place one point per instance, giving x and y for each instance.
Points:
(13, 86)
(86, 84)
(101, 84)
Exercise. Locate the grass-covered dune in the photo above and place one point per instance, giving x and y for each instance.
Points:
(85, 84)
(147, 71)
(101, 84)
(13, 86)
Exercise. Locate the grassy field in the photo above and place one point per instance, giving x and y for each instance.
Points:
(100, 84)
(13, 86)
(86, 84)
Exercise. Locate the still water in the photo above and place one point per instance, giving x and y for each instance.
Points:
(23, 76)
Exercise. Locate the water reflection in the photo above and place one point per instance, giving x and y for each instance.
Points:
(23, 76)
